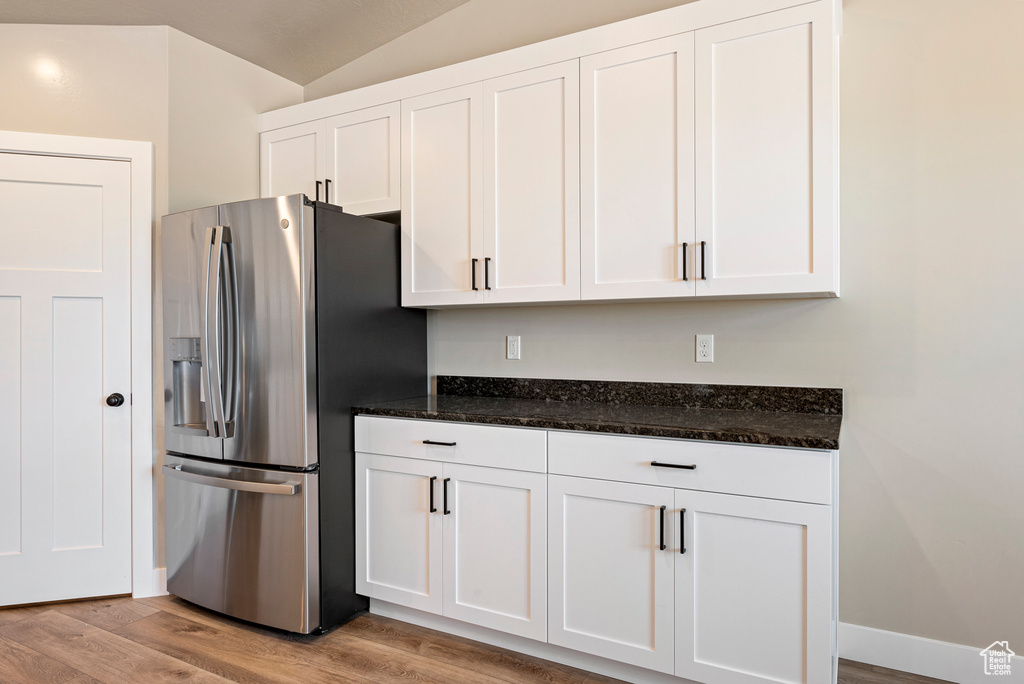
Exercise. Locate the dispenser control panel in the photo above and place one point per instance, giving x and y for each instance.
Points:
(185, 349)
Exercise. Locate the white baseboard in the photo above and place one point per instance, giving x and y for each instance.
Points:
(153, 584)
(917, 655)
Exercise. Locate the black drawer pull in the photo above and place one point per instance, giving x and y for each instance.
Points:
(674, 465)
(433, 509)
(445, 503)
(430, 441)
(682, 530)
(662, 544)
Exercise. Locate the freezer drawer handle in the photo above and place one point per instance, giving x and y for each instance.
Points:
(286, 488)
(674, 465)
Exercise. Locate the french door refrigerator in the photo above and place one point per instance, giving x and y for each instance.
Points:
(279, 315)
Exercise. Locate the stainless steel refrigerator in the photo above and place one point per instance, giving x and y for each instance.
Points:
(279, 315)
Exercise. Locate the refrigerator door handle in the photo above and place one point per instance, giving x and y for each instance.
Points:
(286, 488)
(211, 328)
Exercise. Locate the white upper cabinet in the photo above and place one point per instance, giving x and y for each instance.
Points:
(354, 157)
(686, 153)
(442, 198)
(766, 161)
(364, 159)
(636, 122)
(531, 185)
(292, 160)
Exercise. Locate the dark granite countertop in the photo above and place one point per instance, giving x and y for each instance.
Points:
(780, 416)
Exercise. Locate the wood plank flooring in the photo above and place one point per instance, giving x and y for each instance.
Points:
(164, 639)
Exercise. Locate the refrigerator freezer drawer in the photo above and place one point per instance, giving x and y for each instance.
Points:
(244, 542)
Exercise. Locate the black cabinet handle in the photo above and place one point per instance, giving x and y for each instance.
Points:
(472, 271)
(662, 545)
(445, 502)
(430, 441)
(327, 191)
(487, 273)
(703, 260)
(318, 184)
(686, 248)
(674, 465)
(115, 399)
(431, 485)
(682, 530)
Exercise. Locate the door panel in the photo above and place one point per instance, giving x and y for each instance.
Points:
(752, 590)
(531, 184)
(636, 150)
(364, 161)
(291, 160)
(398, 538)
(495, 555)
(610, 583)
(442, 197)
(765, 188)
(65, 337)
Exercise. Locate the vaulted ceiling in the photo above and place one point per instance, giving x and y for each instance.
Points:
(298, 39)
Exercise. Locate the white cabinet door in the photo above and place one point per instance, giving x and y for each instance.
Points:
(442, 198)
(495, 554)
(609, 580)
(292, 160)
(364, 159)
(398, 538)
(753, 590)
(531, 185)
(636, 150)
(766, 163)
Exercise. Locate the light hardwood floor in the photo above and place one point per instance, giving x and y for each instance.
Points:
(165, 639)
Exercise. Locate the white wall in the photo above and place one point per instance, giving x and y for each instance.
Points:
(927, 339)
(196, 103)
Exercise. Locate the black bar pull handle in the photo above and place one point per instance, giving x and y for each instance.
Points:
(430, 441)
(487, 273)
(686, 248)
(703, 260)
(674, 465)
(318, 184)
(472, 270)
(327, 190)
(662, 545)
(682, 530)
(433, 509)
(445, 502)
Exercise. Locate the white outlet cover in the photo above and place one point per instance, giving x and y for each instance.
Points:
(705, 349)
(513, 348)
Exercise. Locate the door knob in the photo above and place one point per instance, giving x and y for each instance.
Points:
(115, 399)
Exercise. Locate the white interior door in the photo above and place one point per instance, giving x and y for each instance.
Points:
(65, 345)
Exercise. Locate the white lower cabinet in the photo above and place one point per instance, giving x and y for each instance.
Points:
(752, 590)
(462, 541)
(610, 582)
(685, 558)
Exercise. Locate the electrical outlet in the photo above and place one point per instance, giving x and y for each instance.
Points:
(512, 348)
(705, 348)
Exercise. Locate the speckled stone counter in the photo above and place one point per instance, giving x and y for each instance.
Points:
(780, 416)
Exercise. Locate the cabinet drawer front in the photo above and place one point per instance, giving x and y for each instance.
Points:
(483, 445)
(768, 472)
